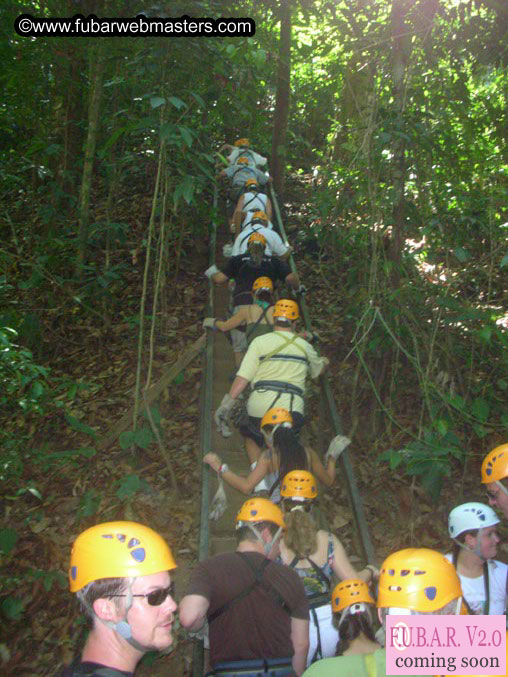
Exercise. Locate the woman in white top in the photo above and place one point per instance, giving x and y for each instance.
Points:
(472, 526)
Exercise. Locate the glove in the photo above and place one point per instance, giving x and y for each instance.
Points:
(222, 414)
(302, 289)
(310, 336)
(227, 250)
(219, 502)
(211, 271)
(209, 323)
(337, 446)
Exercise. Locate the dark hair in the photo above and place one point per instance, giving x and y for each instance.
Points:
(292, 455)
(102, 588)
(462, 539)
(282, 322)
(350, 629)
(265, 296)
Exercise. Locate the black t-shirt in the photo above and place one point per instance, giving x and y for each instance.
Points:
(242, 269)
(93, 670)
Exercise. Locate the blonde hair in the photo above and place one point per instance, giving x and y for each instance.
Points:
(301, 533)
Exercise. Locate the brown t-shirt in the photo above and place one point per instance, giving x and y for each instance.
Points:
(256, 626)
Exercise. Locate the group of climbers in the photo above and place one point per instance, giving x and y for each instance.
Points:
(270, 607)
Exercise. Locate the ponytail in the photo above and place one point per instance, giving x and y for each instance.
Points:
(301, 531)
(350, 629)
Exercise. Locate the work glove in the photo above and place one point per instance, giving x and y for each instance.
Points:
(209, 272)
(219, 502)
(222, 414)
(209, 323)
(302, 289)
(227, 249)
(310, 336)
(337, 446)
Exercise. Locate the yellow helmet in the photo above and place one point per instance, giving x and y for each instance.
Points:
(275, 416)
(251, 183)
(257, 237)
(262, 284)
(299, 484)
(419, 579)
(286, 308)
(259, 510)
(350, 591)
(259, 216)
(242, 142)
(117, 550)
(495, 465)
(242, 161)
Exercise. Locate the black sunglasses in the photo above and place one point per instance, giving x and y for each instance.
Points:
(156, 597)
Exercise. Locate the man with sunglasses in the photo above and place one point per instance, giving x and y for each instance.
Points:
(495, 477)
(257, 611)
(120, 572)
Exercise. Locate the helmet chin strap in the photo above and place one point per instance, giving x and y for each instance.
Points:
(478, 549)
(267, 547)
(123, 627)
(502, 487)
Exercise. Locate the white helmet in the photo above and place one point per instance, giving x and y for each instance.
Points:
(470, 516)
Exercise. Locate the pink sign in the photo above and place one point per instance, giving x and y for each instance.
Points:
(445, 645)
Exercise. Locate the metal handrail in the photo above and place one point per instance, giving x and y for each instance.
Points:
(352, 488)
(206, 437)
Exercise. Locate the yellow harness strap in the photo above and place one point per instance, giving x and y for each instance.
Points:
(285, 343)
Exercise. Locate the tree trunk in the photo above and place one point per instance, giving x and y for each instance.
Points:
(97, 72)
(280, 118)
(401, 41)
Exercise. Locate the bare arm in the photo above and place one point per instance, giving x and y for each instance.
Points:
(300, 640)
(269, 209)
(238, 319)
(192, 611)
(243, 484)
(343, 568)
(324, 475)
(238, 386)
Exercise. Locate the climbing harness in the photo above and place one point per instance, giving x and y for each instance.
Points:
(316, 600)
(255, 325)
(274, 667)
(486, 583)
(258, 573)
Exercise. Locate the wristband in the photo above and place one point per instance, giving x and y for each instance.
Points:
(223, 468)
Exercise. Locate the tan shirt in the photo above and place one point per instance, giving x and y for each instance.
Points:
(290, 365)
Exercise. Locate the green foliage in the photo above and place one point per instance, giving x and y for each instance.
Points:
(428, 459)
(8, 539)
(130, 485)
